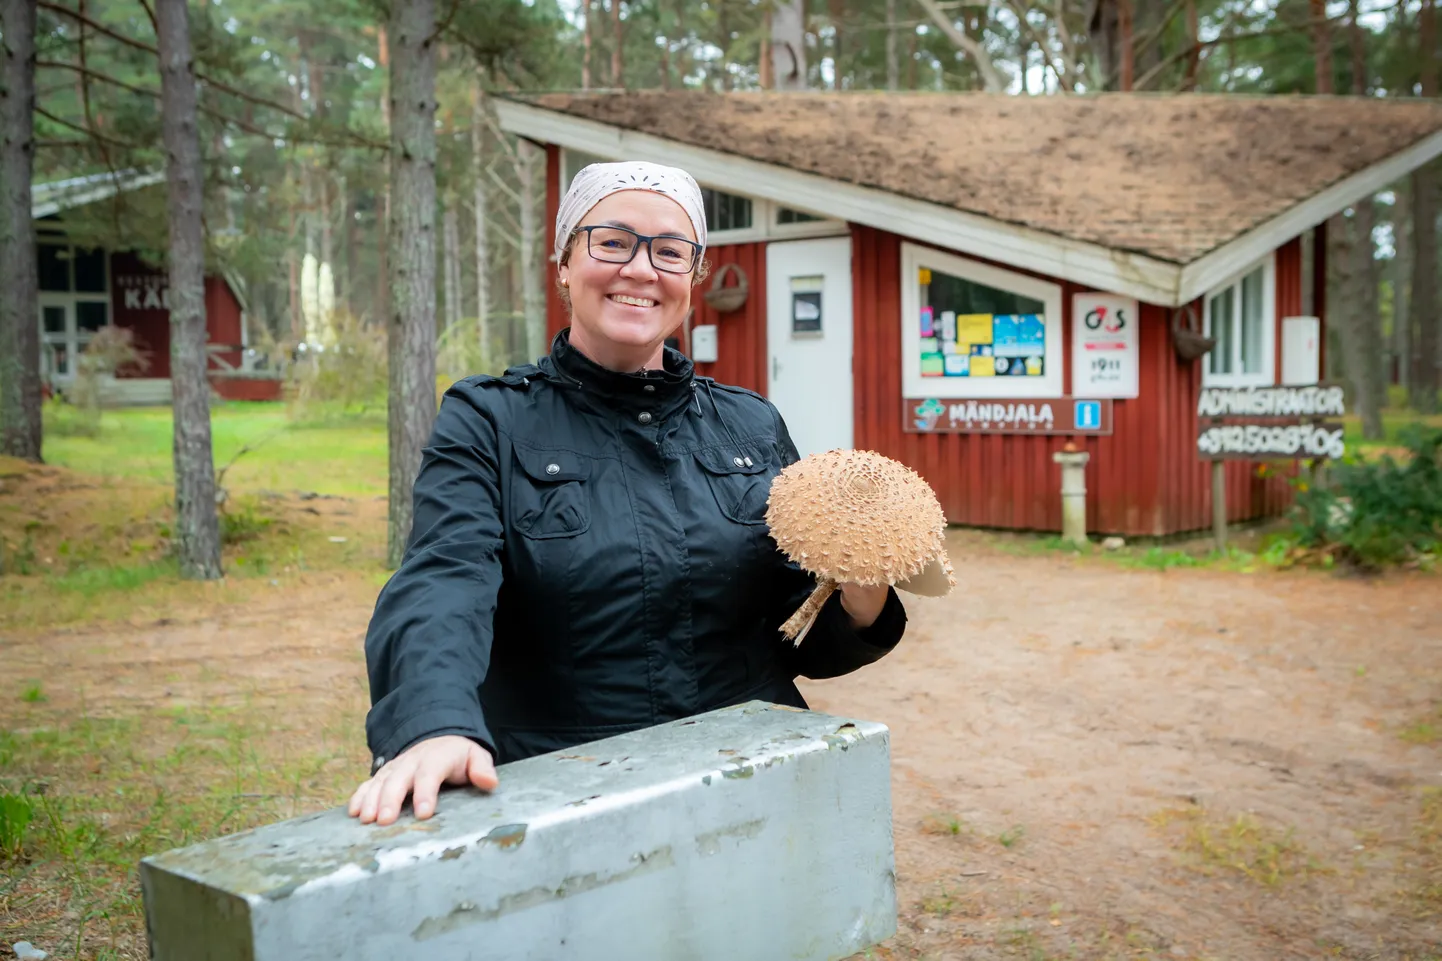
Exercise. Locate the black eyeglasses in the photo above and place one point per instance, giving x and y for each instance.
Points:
(618, 245)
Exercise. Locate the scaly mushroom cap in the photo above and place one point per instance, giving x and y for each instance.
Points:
(857, 516)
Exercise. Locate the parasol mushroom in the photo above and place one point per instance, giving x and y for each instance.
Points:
(857, 517)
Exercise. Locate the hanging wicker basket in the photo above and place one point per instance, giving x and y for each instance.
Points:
(727, 299)
(1187, 337)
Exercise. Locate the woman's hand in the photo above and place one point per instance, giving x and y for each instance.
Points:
(421, 769)
(863, 604)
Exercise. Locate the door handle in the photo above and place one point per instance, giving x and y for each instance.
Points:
(775, 367)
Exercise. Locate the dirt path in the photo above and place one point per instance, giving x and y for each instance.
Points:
(1074, 745)
(1062, 706)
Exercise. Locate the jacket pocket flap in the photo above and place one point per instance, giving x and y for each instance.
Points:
(555, 466)
(745, 459)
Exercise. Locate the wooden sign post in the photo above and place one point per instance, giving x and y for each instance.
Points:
(1264, 423)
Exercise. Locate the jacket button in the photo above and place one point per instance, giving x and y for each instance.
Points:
(738, 462)
(644, 417)
(553, 468)
(649, 388)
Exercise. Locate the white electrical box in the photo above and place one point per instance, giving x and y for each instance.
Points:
(1301, 351)
(703, 344)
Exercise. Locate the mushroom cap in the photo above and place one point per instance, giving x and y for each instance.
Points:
(856, 516)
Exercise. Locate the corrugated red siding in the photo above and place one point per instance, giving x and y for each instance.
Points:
(1144, 479)
(741, 337)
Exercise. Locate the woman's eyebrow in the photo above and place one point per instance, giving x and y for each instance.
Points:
(670, 235)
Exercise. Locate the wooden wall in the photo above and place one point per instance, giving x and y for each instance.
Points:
(1143, 479)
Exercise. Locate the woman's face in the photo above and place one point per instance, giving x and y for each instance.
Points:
(622, 313)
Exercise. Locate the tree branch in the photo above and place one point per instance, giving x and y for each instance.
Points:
(224, 118)
(88, 132)
(990, 78)
(208, 80)
(1063, 79)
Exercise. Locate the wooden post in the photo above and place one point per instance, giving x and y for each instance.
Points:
(1219, 503)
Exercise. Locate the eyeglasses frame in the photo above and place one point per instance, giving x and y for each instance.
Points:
(640, 238)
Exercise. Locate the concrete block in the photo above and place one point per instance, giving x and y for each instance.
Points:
(746, 834)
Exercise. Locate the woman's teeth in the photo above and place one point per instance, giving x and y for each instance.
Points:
(633, 301)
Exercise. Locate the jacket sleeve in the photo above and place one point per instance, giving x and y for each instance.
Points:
(428, 645)
(832, 646)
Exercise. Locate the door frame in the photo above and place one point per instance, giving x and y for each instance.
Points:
(778, 281)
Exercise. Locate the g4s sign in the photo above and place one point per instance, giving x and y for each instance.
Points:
(1103, 317)
(1104, 346)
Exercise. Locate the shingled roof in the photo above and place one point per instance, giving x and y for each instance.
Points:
(1170, 177)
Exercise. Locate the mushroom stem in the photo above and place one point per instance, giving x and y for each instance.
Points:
(806, 613)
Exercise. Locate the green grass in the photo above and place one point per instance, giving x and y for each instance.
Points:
(1395, 416)
(338, 455)
(83, 799)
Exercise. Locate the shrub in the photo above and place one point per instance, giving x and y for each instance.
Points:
(346, 376)
(1377, 513)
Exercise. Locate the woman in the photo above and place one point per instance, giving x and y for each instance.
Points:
(589, 553)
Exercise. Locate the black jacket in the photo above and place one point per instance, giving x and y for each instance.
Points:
(589, 556)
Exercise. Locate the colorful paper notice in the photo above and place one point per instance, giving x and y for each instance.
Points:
(924, 276)
(932, 365)
(983, 366)
(926, 330)
(975, 329)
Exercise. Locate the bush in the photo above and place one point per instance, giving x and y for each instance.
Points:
(345, 377)
(1377, 513)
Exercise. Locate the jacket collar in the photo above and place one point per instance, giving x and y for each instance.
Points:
(659, 391)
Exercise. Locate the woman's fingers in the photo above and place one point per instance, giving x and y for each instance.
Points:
(393, 792)
(433, 768)
(481, 769)
(419, 772)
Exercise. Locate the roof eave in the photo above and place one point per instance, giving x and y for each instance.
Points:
(1224, 262)
(101, 190)
(1146, 278)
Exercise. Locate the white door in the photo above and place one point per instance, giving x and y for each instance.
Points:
(808, 335)
(57, 338)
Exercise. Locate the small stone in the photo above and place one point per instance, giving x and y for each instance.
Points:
(25, 951)
(1113, 544)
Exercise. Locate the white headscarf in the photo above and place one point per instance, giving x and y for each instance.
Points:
(598, 181)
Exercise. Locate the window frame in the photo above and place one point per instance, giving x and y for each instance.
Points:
(1267, 377)
(1050, 386)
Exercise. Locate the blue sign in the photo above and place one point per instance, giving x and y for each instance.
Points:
(1088, 415)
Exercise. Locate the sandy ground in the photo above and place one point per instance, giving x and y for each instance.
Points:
(1042, 717)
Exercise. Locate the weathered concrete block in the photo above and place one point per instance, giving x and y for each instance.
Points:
(747, 834)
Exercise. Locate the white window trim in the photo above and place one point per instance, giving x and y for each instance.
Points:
(913, 258)
(1268, 375)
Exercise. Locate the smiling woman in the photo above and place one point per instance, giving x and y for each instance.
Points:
(590, 554)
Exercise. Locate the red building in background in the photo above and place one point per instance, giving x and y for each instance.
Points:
(84, 289)
(969, 282)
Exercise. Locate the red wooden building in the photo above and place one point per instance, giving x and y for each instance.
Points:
(83, 289)
(967, 282)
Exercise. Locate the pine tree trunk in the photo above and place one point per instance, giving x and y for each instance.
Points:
(1104, 38)
(586, 44)
(1321, 45)
(1422, 386)
(532, 270)
(197, 528)
(483, 256)
(1402, 282)
(20, 425)
(451, 261)
(618, 79)
(1422, 391)
(411, 321)
(893, 68)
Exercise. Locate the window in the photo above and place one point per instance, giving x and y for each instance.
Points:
(785, 215)
(572, 162)
(971, 330)
(725, 211)
(1241, 317)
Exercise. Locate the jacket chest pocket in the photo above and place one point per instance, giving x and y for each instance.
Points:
(740, 480)
(548, 494)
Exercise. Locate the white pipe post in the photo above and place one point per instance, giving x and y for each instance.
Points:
(1073, 493)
